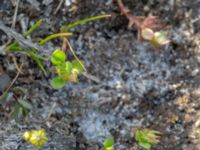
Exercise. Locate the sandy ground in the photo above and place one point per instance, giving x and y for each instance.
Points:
(135, 85)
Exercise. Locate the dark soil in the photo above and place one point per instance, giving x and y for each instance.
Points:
(130, 84)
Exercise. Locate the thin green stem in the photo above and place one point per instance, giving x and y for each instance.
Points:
(53, 36)
(37, 24)
(80, 22)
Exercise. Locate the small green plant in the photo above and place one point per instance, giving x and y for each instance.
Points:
(21, 109)
(35, 137)
(33, 53)
(145, 26)
(108, 143)
(67, 71)
(146, 138)
(157, 39)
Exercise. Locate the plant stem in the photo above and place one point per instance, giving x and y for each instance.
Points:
(53, 36)
(123, 8)
(71, 49)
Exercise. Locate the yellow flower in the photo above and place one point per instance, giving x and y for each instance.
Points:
(160, 39)
(147, 34)
(157, 39)
(26, 136)
(36, 137)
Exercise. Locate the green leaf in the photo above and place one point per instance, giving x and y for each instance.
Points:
(57, 83)
(80, 22)
(25, 104)
(5, 98)
(18, 111)
(147, 137)
(25, 113)
(78, 66)
(36, 25)
(14, 47)
(33, 53)
(37, 59)
(64, 71)
(145, 145)
(108, 143)
(138, 135)
(68, 67)
(53, 36)
(58, 57)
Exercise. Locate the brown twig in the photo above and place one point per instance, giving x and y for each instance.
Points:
(13, 2)
(123, 8)
(91, 77)
(51, 111)
(64, 45)
(15, 14)
(13, 81)
(72, 50)
(58, 7)
(132, 19)
(16, 65)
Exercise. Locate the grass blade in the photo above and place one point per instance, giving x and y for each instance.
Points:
(80, 22)
(53, 36)
(37, 24)
(38, 59)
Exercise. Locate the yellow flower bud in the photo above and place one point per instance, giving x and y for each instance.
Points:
(26, 136)
(74, 76)
(36, 137)
(147, 34)
(160, 39)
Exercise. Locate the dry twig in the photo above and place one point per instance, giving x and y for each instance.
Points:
(13, 81)
(16, 65)
(15, 14)
(58, 7)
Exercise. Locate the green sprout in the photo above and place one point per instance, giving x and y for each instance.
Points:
(65, 28)
(21, 109)
(81, 22)
(67, 71)
(33, 28)
(146, 138)
(108, 143)
(53, 36)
